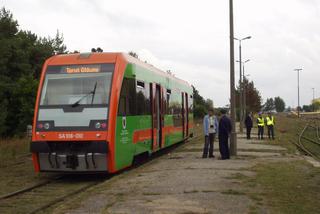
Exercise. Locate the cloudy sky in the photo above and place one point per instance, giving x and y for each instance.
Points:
(191, 38)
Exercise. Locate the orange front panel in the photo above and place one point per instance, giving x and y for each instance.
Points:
(70, 136)
(113, 108)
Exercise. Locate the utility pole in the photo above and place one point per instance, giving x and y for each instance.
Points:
(233, 137)
(298, 71)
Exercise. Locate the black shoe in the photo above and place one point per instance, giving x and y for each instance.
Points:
(211, 156)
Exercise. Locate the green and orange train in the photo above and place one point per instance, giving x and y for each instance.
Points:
(98, 112)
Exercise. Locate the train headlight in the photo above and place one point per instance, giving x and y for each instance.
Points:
(46, 126)
(98, 125)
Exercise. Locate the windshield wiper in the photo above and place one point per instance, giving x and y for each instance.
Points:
(91, 92)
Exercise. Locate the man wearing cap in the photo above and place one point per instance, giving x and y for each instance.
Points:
(210, 127)
(225, 128)
(270, 125)
(260, 122)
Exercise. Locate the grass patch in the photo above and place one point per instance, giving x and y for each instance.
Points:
(11, 150)
(208, 191)
(151, 193)
(287, 187)
(237, 176)
(190, 191)
(286, 129)
(232, 192)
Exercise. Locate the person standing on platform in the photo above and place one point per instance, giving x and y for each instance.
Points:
(248, 123)
(270, 125)
(225, 128)
(260, 122)
(210, 126)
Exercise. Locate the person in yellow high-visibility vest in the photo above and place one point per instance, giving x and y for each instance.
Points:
(260, 122)
(270, 125)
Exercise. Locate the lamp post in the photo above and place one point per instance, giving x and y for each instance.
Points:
(233, 137)
(298, 71)
(244, 90)
(240, 83)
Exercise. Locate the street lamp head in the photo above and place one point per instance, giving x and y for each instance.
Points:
(248, 37)
(247, 61)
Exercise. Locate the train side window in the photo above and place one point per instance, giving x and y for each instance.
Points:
(127, 101)
(168, 101)
(140, 84)
(143, 98)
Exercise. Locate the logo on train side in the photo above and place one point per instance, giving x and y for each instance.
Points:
(124, 122)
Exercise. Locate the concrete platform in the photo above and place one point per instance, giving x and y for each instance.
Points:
(183, 182)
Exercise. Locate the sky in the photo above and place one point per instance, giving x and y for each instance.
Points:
(191, 38)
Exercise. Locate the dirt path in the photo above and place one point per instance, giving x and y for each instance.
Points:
(182, 182)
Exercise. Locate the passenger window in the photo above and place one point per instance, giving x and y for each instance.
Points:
(127, 101)
(143, 98)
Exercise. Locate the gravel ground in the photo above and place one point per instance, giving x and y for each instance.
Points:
(182, 182)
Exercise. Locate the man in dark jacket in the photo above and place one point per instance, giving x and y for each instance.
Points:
(225, 128)
(248, 123)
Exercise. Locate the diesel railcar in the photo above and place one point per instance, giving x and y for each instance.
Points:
(97, 112)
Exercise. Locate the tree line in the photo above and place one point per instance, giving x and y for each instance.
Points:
(22, 54)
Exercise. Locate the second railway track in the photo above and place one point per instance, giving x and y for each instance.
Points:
(308, 141)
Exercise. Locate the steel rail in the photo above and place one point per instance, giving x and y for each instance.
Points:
(301, 146)
(62, 198)
(27, 189)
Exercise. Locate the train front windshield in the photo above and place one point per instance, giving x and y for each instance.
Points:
(75, 96)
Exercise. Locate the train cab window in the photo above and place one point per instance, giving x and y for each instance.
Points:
(127, 101)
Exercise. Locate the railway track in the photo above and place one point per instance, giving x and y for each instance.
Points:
(46, 194)
(309, 141)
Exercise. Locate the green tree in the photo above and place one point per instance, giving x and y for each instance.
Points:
(22, 54)
(134, 54)
(269, 105)
(199, 104)
(307, 108)
(253, 97)
(279, 104)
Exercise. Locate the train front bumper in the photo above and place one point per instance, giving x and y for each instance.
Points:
(71, 156)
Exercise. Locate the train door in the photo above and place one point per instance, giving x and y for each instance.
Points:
(185, 112)
(156, 116)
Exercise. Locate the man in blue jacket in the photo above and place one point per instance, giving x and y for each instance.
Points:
(210, 127)
(225, 128)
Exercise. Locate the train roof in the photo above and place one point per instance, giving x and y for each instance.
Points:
(95, 57)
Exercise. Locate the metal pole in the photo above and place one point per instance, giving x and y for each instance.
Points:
(244, 94)
(298, 71)
(241, 90)
(233, 137)
(298, 95)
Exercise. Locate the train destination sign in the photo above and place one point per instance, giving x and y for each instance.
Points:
(82, 69)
